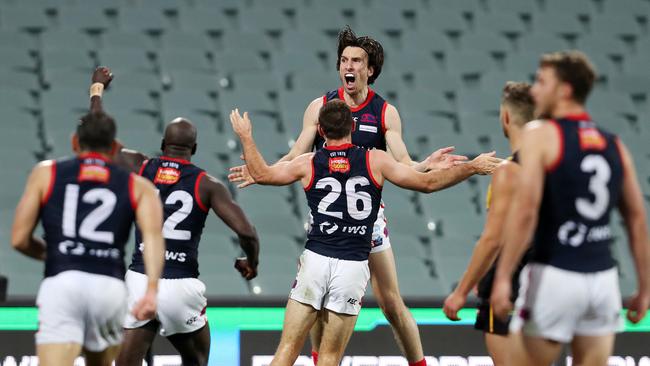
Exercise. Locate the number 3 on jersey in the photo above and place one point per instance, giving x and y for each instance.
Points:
(597, 186)
(353, 197)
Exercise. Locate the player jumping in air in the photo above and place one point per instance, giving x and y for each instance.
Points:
(343, 184)
(573, 174)
(378, 126)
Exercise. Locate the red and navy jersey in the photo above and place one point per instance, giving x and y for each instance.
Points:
(369, 118)
(580, 191)
(344, 200)
(87, 215)
(184, 215)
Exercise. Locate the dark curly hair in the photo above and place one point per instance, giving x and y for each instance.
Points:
(375, 51)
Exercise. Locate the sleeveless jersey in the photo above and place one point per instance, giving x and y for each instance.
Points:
(87, 215)
(184, 215)
(580, 191)
(369, 131)
(485, 285)
(344, 200)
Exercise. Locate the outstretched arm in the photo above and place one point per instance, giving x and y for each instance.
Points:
(27, 211)
(221, 202)
(384, 166)
(634, 215)
(488, 246)
(128, 159)
(277, 175)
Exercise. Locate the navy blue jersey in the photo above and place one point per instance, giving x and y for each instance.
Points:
(344, 200)
(87, 215)
(369, 121)
(184, 215)
(580, 191)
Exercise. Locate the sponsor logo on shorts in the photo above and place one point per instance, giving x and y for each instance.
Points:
(93, 173)
(352, 301)
(339, 165)
(192, 320)
(167, 176)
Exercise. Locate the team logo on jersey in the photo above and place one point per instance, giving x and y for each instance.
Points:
(591, 139)
(93, 173)
(167, 176)
(339, 165)
(368, 118)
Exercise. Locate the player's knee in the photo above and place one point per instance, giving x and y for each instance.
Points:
(393, 306)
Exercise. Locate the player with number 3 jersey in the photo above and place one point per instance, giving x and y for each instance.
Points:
(573, 174)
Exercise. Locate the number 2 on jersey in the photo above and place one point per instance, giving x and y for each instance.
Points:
(88, 228)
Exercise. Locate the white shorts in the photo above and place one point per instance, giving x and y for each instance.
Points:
(82, 308)
(181, 303)
(335, 284)
(557, 304)
(380, 238)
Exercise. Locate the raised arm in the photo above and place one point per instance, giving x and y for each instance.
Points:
(128, 159)
(634, 215)
(277, 175)
(27, 211)
(221, 202)
(149, 216)
(384, 166)
(488, 246)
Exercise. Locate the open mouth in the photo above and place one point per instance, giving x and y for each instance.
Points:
(349, 79)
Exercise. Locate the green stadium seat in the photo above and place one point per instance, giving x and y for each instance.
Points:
(522, 7)
(273, 284)
(249, 100)
(188, 99)
(203, 19)
(164, 6)
(12, 98)
(600, 100)
(584, 8)
(324, 81)
(262, 19)
(287, 62)
(23, 17)
(17, 40)
(602, 44)
(405, 245)
(496, 80)
(471, 7)
(631, 84)
(66, 39)
(469, 63)
(638, 64)
(562, 24)
(66, 96)
(423, 124)
(242, 42)
(264, 81)
(180, 40)
(125, 39)
(191, 80)
(135, 100)
(507, 23)
(229, 284)
(16, 59)
(409, 225)
(306, 41)
(125, 59)
(484, 102)
(428, 40)
(187, 59)
(65, 80)
(486, 42)
(143, 19)
(327, 19)
(382, 20)
(279, 222)
(75, 58)
(442, 19)
(83, 17)
(19, 80)
(414, 276)
(537, 43)
(637, 8)
(625, 26)
(523, 63)
(242, 60)
(286, 5)
(432, 102)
